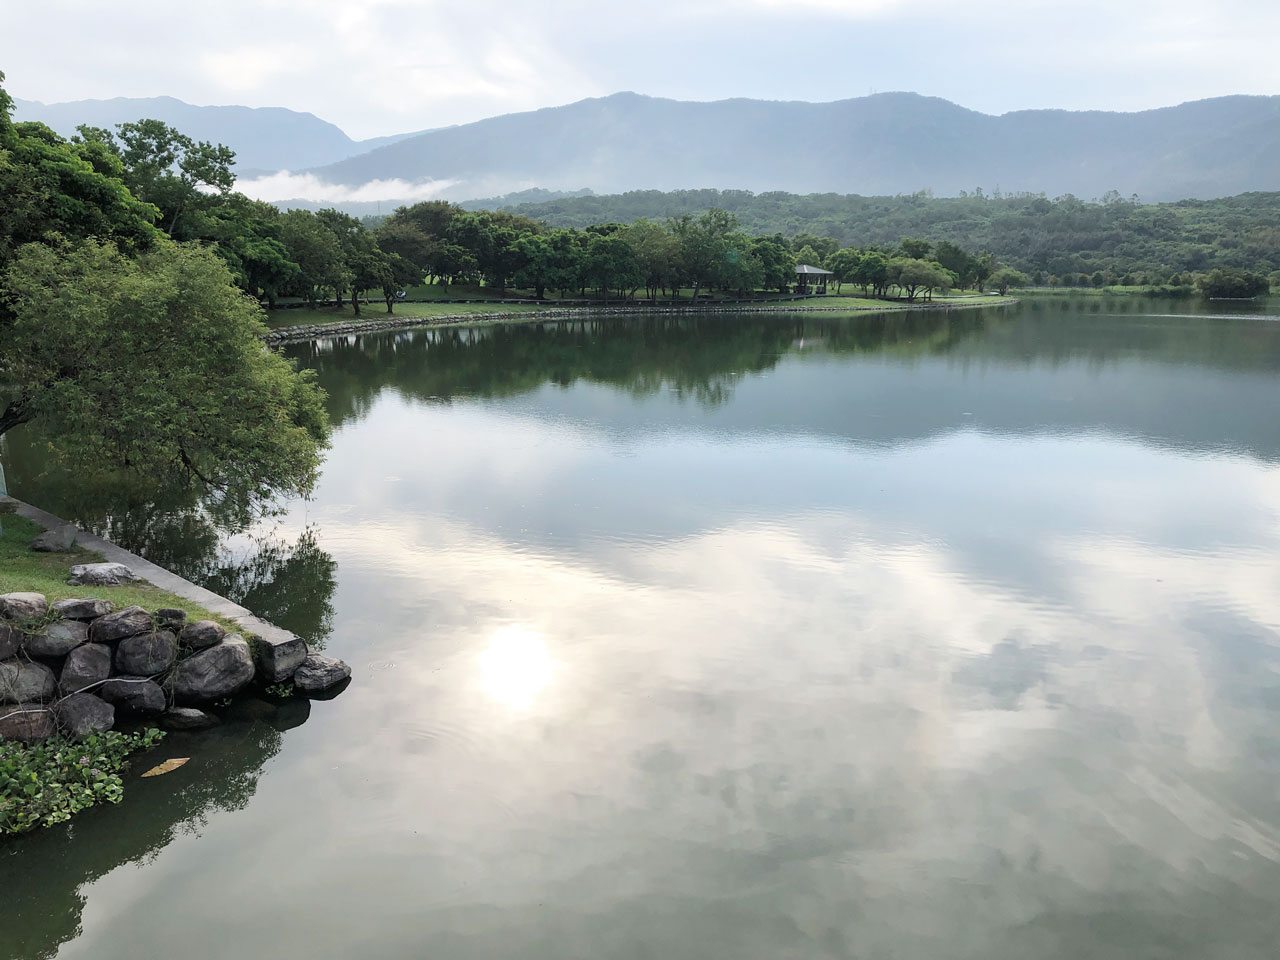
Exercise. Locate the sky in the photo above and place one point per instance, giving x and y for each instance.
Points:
(386, 66)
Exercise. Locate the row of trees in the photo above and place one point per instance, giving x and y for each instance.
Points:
(707, 252)
(1060, 239)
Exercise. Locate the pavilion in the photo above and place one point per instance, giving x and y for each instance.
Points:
(811, 279)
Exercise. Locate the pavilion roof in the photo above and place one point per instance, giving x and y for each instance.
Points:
(805, 268)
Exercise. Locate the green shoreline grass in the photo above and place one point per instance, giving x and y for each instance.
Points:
(515, 312)
(22, 570)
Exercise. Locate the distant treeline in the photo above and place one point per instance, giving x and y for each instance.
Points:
(1065, 240)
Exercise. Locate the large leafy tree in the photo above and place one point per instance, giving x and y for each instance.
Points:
(154, 364)
(655, 252)
(317, 251)
(776, 261)
(703, 245)
(48, 186)
(844, 264)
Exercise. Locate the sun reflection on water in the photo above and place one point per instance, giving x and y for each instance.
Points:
(516, 666)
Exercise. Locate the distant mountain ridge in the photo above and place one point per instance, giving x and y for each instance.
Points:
(265, 139)
(882, 144)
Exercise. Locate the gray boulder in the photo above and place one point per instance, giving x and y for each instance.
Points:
(201, 634)
(25, 682)
(128, 622)
(82, 714)
(187, 718)
(10, 641)
(212, 674)
(172, 617)
(146, 654)
(88, 609)
(133, 695)
(101, 575)
(59, 539)
(317, 674)
(57, 639)
(84, 667)
(277, 657)
(23, 606)
(27, 721)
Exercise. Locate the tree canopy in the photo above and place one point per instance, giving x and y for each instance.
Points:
(131, 350)
(154, 363)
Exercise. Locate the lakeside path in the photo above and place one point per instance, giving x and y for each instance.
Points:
(243, 619)
(525, 314)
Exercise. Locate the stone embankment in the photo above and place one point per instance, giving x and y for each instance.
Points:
(74, 666)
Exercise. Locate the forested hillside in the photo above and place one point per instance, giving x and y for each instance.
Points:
(1115, 236)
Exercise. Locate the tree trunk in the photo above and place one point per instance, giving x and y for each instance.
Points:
(355, 302)
(14, 415)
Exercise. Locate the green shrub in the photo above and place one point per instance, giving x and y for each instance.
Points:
(46, 782)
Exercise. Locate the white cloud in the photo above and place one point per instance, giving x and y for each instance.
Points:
(386, 66)
(306, 186)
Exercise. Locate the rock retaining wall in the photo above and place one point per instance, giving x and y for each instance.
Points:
(76, 666)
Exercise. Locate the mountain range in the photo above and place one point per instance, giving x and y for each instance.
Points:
(882, 144)
(265, 139)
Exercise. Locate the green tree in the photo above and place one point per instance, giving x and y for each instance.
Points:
(844, 264)
(777, 263)
(1007, 277)
(808, 255)
(916, 277)
(822, 247)
(395, 273)
(953, 257)
(537, 268)
(50, 186)
(155, 364)
(167, 168)
(914, 249)
(655, 250)
(317, 252)
(1231, 283)
(611, 264)
(703, 243)
(872, 273)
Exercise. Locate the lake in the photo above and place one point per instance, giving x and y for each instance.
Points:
(935, 634)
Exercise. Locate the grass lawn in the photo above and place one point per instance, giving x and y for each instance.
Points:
(866, 303)
(22, 570)
(1134, 291)
(378, 311)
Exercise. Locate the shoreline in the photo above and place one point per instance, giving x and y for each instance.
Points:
(244, 619)
(301, 333)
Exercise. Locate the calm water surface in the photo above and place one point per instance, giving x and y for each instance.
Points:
(932, 635)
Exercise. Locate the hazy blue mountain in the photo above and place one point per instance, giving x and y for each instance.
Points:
(264, 138)
(883, 144)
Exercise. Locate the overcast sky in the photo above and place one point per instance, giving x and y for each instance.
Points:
(385, 66)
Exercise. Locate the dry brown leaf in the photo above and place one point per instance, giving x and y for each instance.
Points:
(166, 767)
